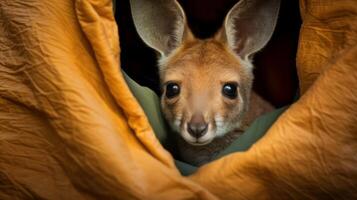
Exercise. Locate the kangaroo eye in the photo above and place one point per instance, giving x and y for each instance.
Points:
(230, 90)
(172, 90)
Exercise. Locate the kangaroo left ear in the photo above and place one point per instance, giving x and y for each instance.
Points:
(161, 24)
(249, 25)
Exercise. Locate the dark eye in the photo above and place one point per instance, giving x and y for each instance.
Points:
(230, 90)
(172, 90)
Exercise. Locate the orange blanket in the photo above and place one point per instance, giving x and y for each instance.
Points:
(71, 129)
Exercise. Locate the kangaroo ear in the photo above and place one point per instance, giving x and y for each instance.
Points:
(161, 24)
(249, 25)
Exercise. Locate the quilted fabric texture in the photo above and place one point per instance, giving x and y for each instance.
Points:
(71, 129)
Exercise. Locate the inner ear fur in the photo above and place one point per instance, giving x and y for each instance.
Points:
(161, 24)
(249, 26)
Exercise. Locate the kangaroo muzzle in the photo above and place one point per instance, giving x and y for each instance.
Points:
(197, 126)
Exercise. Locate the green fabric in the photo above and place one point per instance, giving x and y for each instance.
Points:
(151, 106)
(150, 103)
(184, 168)
(255, 131)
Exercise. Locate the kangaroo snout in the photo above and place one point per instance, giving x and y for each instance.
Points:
(197, 126)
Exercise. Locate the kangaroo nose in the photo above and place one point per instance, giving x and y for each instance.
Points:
(197, 126)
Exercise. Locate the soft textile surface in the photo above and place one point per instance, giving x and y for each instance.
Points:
(310, 152)
(70, 128)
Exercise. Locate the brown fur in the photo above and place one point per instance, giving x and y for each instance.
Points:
(209, 80)
(201, 67)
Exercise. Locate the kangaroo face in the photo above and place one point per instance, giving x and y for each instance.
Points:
(205, 90)
(206, 83)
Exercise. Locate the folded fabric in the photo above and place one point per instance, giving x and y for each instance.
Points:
(71, 129)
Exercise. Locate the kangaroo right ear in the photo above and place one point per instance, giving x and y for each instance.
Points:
(249, 25)
(161, 24)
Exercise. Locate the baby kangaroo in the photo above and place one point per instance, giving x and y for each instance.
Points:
(207, 83)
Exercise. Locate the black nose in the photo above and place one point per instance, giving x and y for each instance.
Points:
(197, 126)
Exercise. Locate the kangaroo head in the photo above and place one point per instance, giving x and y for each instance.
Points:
(206, 83)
